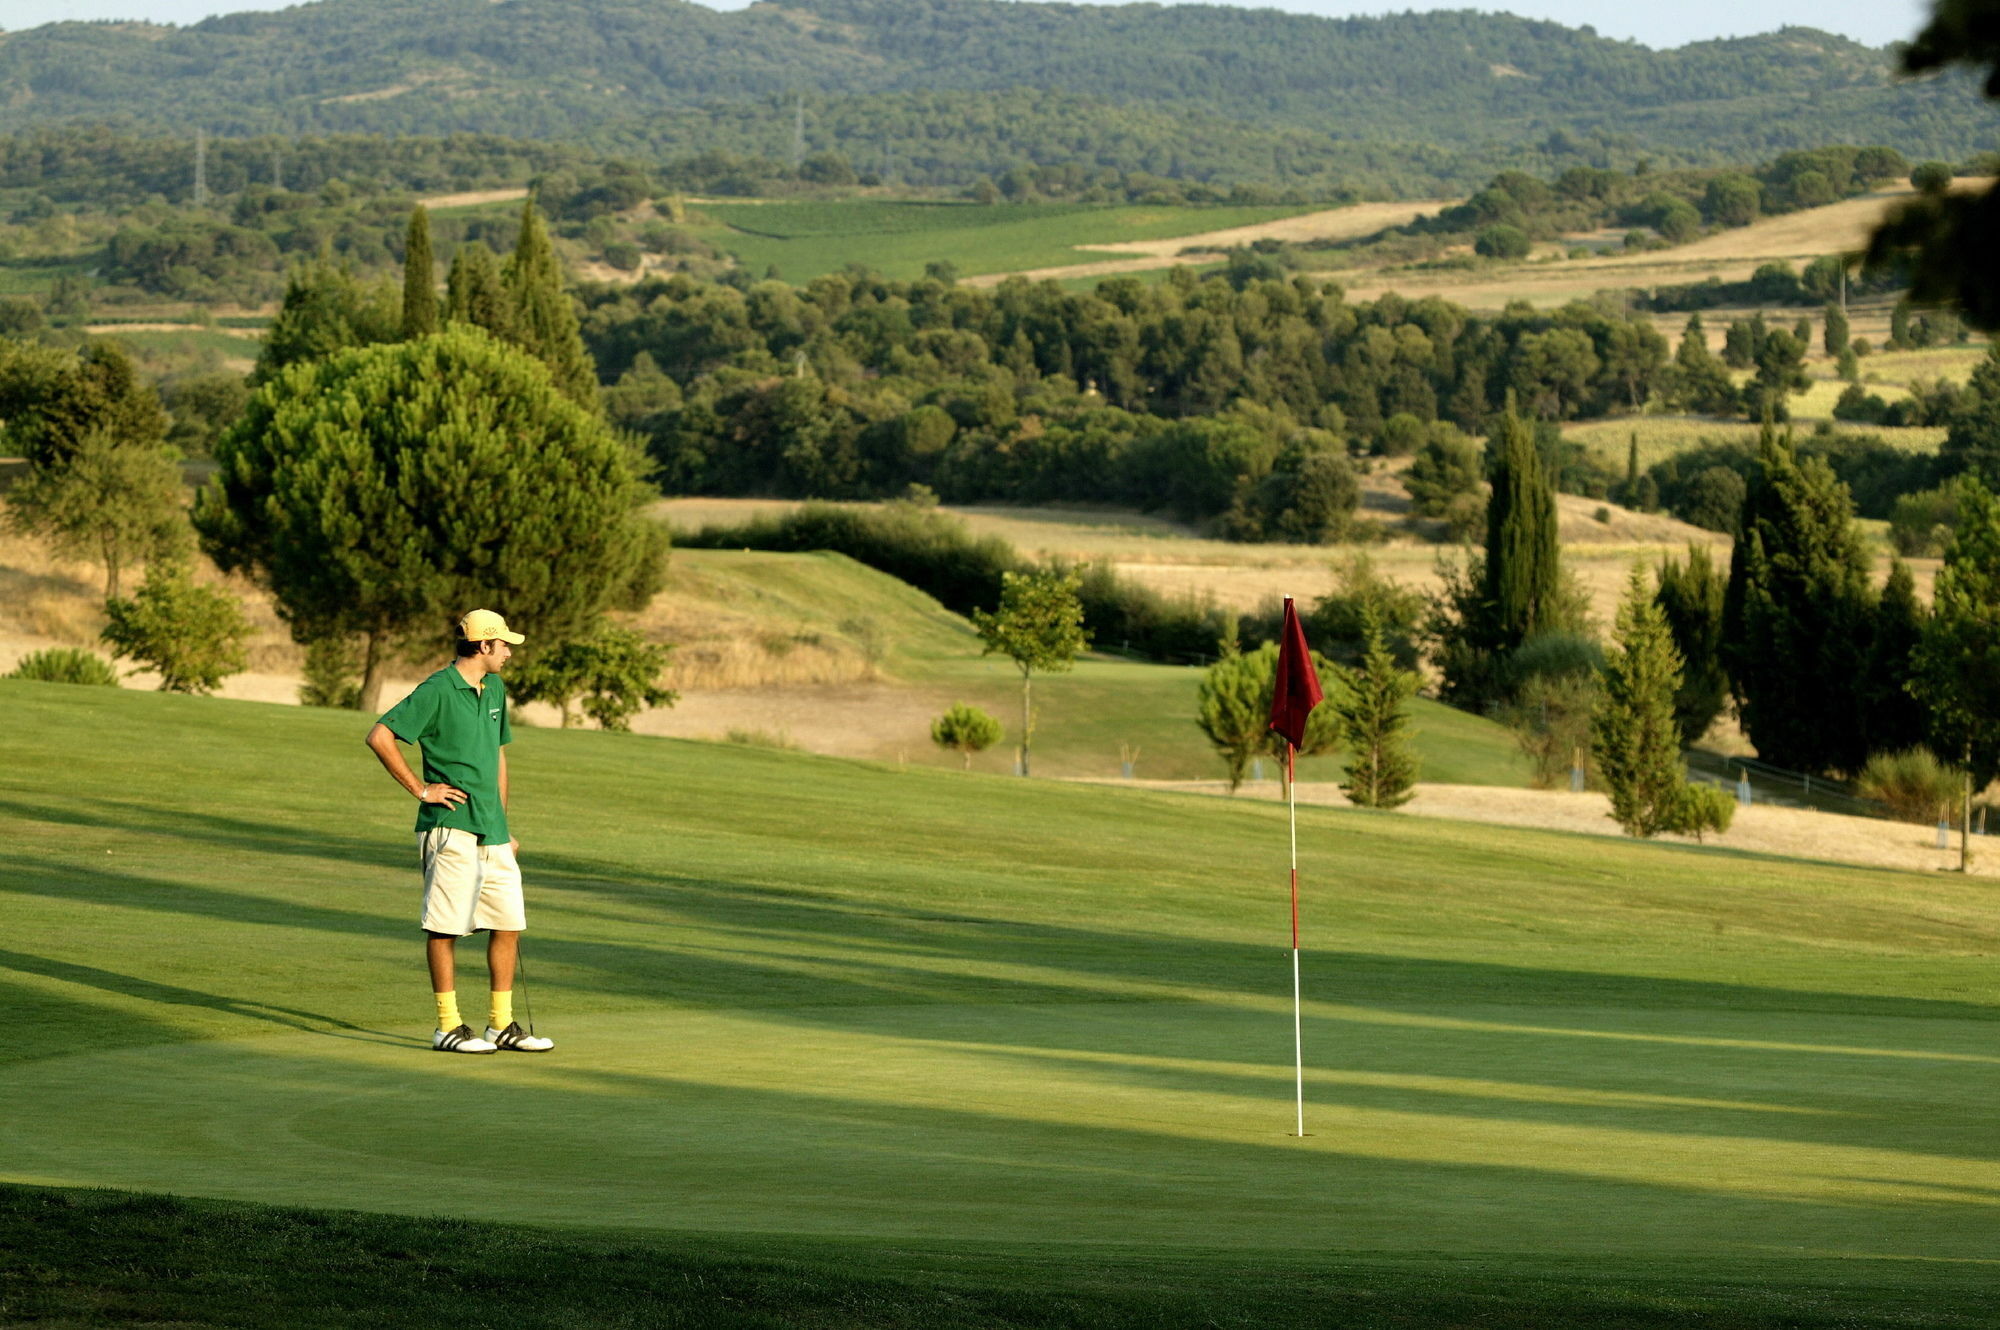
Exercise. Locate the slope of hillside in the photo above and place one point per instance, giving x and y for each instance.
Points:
(607, 69)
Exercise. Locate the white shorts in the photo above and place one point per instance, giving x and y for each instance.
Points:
(468, 886)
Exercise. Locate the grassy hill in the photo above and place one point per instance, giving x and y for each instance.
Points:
(819, 650)
(852, 1041)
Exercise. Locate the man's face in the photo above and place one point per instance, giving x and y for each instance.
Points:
(493, 653)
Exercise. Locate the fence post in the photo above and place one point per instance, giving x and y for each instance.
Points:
(1944, 834)
(1743, 786)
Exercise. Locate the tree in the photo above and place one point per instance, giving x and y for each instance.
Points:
(1699, 381)
(1633, 736)
(111, 502)
(1446, 467)
(326, 309)
(1972, 441)
(1523, 572)
(1372, 711)
(1781, 371)
(1690, 597)
(1957, 659)
(965, 730)
(1797, 613)
(1931, 177)
(1039, 626)
(379, 492)
(192, 634)
(52, 400)
(1233, 708)
(613, 673)
(420, 309)
(475, 292)
(1733, 200)
(544, 321)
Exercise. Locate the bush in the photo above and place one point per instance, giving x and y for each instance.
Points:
(332, 675)
(1931, 177)
(1700, 808)
(66, 665)
(1913, 783)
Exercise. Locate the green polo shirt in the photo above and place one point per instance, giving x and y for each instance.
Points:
(460, 729)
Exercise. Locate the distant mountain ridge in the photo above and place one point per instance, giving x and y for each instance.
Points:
(656, 74)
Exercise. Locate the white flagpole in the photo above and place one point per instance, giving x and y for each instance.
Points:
(1298, 1037)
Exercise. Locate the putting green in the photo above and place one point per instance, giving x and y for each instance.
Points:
(797, 996)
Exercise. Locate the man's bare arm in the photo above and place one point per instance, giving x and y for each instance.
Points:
(382, 742)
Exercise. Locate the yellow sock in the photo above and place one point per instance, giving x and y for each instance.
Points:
(503, 1010)
(448, 1017)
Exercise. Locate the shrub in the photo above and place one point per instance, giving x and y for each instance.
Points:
(966, 730)
(66, 665)
(1931, 177)
(1913, 783)
(332, 675)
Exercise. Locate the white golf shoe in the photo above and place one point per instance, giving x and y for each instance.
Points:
(461, 1039)
(516, 1040)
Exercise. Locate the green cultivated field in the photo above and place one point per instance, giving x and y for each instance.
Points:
(843, 1045)
(897, 239)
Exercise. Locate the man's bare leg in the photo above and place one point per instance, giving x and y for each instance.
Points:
(437, 950)
(503, 947)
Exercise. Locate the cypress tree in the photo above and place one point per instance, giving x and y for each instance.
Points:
(1798, 614)
(420, 312)
(1523, 574)
(1373, 721)
(1892, 716)
(1690, 596)
(1834, 332)
(545, 322)
(1634, 736)
(475, 293)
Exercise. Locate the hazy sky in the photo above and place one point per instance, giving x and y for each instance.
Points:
(1876, 22)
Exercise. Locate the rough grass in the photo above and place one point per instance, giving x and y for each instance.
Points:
(843, 1045)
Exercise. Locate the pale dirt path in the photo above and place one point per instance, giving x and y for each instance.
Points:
(1794, 833)
(1347, 223)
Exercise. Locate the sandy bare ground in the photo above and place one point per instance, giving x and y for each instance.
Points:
(1794, 833)
(1348, 223)
(473, 198)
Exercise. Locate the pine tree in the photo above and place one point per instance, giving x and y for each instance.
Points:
(1523, 574)
(1798, 613)
(476, 294)
(545, 321)
(1634, 736)
(420, 312)
(1373, 720)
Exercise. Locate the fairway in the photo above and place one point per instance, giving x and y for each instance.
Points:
(897, 239)
(801, 999)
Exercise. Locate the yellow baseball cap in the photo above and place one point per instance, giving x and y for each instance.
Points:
(484, 626)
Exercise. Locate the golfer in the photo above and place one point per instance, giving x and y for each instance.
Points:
(471, 881)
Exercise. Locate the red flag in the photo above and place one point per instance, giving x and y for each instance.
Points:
(1298, 690)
